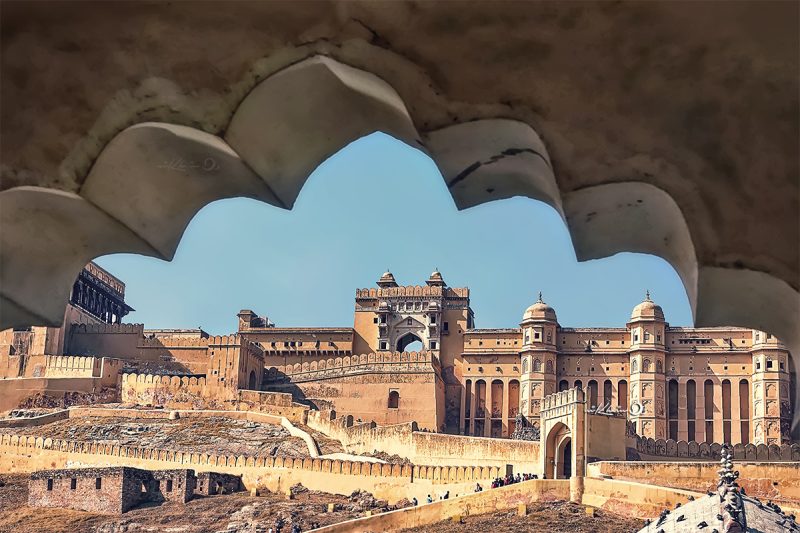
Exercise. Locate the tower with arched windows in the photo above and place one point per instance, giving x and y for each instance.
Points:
(538, 355)
(647, 332)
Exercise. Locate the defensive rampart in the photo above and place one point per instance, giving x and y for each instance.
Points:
(20, 453)
(488, 501)
(181, 392)
(648, 449)
(774, 481)
(192, 392)
(15, 390)
(337, 367)
(72, 366)
(422, 447)
(117, 340)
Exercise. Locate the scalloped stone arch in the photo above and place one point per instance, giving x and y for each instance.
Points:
(150, 180)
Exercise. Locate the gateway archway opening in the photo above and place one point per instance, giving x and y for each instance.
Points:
(409, 343)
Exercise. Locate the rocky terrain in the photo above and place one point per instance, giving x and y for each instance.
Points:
(217, 435)
(552, 517)
(234, 513)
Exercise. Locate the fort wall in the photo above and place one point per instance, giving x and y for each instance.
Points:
(649, 449)
(19, 453)
(632, 499)
(192, 392)
(117, 340)
(774, 481)
(105, 368)
(177, 392)
(362, 385)
(407, 441)
(14, 391)
(488, 501)
(40, 420)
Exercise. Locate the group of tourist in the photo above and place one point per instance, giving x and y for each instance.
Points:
(508, 480)
(498, 482)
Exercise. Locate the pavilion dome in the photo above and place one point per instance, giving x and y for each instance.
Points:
(540, 311)
(647, 310)
(387, 280)
(436, 279)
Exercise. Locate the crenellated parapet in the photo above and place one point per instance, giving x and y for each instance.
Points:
(563, 400)
(102, 328)
(173, 342)
(381, 362)
(24, 445)
(670, 448)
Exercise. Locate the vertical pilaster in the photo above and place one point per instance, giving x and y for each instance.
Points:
(504, 408)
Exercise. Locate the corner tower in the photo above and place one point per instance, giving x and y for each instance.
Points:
(539, 326)
(647, 328)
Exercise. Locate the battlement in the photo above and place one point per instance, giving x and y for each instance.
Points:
(24, 445)
(173, 342)
(103, 328)
(413, 291)
(563, 398)
(656, 448)
(167, 380)
(385, 362)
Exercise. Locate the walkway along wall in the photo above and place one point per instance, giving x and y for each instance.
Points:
(488, 501)
(392, 482)
(422, 447)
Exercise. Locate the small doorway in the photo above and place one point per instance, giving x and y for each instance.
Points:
(563, 468)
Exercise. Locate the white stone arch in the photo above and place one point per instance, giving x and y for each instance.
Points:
(481, 160)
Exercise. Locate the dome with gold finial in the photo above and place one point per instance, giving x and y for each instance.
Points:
(540, 311)
(647, 310)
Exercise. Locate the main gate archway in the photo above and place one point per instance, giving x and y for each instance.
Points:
(563, 438)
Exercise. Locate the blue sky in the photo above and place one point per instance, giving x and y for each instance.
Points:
(380, 204)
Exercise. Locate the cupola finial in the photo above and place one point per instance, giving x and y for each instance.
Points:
(540, 297)
(647, 295)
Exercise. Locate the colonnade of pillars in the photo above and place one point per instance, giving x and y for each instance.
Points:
(489, 407)
(97, 302)
(709, 410)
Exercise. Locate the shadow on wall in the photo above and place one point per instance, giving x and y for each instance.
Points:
(277, 381)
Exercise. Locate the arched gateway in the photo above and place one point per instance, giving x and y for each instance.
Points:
(562, 420)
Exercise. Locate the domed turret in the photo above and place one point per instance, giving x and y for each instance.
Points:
(387, 280)
(436, 279)
(647, 310)
(540, 311)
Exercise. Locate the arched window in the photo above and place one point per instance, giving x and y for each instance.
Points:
(578, 383)
(622, 394)
(563, 385)
(659, 366)
(646, 365)
(592, 386)
(634, 366)
(549, 367)
(394, 399)
(537, 365)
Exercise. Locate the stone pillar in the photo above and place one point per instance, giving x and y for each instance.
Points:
(718, 432)
(683, 420)
(576, 488)
(472, 406)
(463, 408)
(736, 419)
(699, 410)
(504, 407)
(487, 425)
